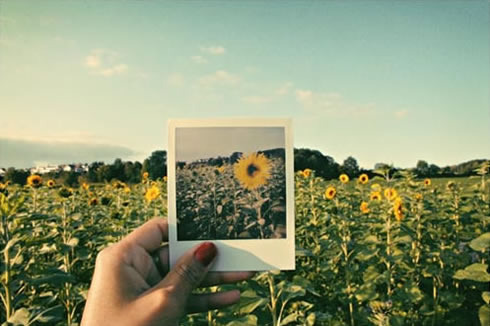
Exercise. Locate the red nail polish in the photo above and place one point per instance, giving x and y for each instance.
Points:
(205, 253)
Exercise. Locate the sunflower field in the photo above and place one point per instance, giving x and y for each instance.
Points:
(386, 250)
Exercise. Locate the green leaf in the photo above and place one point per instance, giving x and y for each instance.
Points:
(475, 272)
(484, 315)
(486, 296)
(249, 320)
(20, 317)
(290, 318)
(481, 243)
(249, 301)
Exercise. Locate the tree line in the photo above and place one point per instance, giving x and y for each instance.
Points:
(304, 158)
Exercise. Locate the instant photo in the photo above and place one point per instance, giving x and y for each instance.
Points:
(230, 182)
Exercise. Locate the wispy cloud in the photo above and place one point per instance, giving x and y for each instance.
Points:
(270, 95)
(198, 59)
(214, 50)
(176, 79)
(219, 77)
(401, 114)
(332, 103)
(105, 63)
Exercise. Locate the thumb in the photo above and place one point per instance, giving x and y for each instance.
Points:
(189, 271)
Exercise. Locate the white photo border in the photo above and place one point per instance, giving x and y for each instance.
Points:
(237, 254)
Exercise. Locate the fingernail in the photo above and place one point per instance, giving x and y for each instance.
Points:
(205, 253)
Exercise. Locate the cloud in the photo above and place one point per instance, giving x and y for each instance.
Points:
(219, 77)
(214, 50)
(284, 89)
(273, 94)
(176, 79)
(22, 153)
(198, 59)
(401, 114)
(105, 63)
(332, 103)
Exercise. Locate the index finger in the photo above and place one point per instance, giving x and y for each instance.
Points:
(150, 235)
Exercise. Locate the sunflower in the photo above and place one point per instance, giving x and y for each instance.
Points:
(418, 196)
(390, 193)
(127, 189)
(221, 169)
(252, 171)
(145, 175)
(398, 209)
(152, 193)
(363, 178)
(93, 201)
(85, 186)
(375, 195)
(306, 173)
(51, 183)
(118, 185)
(344, 178)
(364, 207)
(427, 182)
(34, 181)
(330, 192)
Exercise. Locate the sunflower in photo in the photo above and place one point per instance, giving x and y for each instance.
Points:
(398, 209)
(51, 183)
(330, 192)
(152, 193)
(344, 178)
(364, 207)
(375, 195)
(34, 181)
(221, 169)
(427, 182)
(306, 173)
(363, 178)
(390, 193)
(252, 171)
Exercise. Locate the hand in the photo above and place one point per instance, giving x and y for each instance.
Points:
(128, 289)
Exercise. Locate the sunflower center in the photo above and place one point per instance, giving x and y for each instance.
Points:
(252, 170)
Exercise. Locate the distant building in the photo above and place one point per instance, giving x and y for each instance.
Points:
(2, 172)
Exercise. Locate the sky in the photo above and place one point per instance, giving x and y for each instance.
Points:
(382, 81)
(196, 143)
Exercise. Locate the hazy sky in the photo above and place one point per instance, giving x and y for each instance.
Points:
(384, 81)
(200, 143)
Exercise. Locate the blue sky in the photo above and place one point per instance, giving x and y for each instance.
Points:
(382, 81)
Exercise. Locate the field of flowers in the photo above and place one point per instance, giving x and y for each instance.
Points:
(370, 251)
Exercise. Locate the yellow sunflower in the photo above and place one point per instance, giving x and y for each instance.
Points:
(398, 209)
(51, 183)
(375, 195)
(427, 182)
(363, 178)
(330, 192)
(390, 193)
(418, 196)
(252, 171)
(221, 169)
(93, 201)
(127, 189)
(145, 175)
(364, 207)
(306, 173)
(85, 186)
(34, 181)
(152, 193)
(344, 178)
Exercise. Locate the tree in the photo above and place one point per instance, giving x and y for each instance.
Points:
(92, 171)
(434, 170)
(156, 164)
(422, 169)
(350, 167)
(325, 166)
(16, 176)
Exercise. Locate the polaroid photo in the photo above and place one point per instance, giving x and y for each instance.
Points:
(231, 182)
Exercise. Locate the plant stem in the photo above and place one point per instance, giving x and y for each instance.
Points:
(273, 303)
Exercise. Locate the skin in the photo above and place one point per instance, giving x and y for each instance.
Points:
(129, 289)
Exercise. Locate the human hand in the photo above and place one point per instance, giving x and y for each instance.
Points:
(128, 287)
